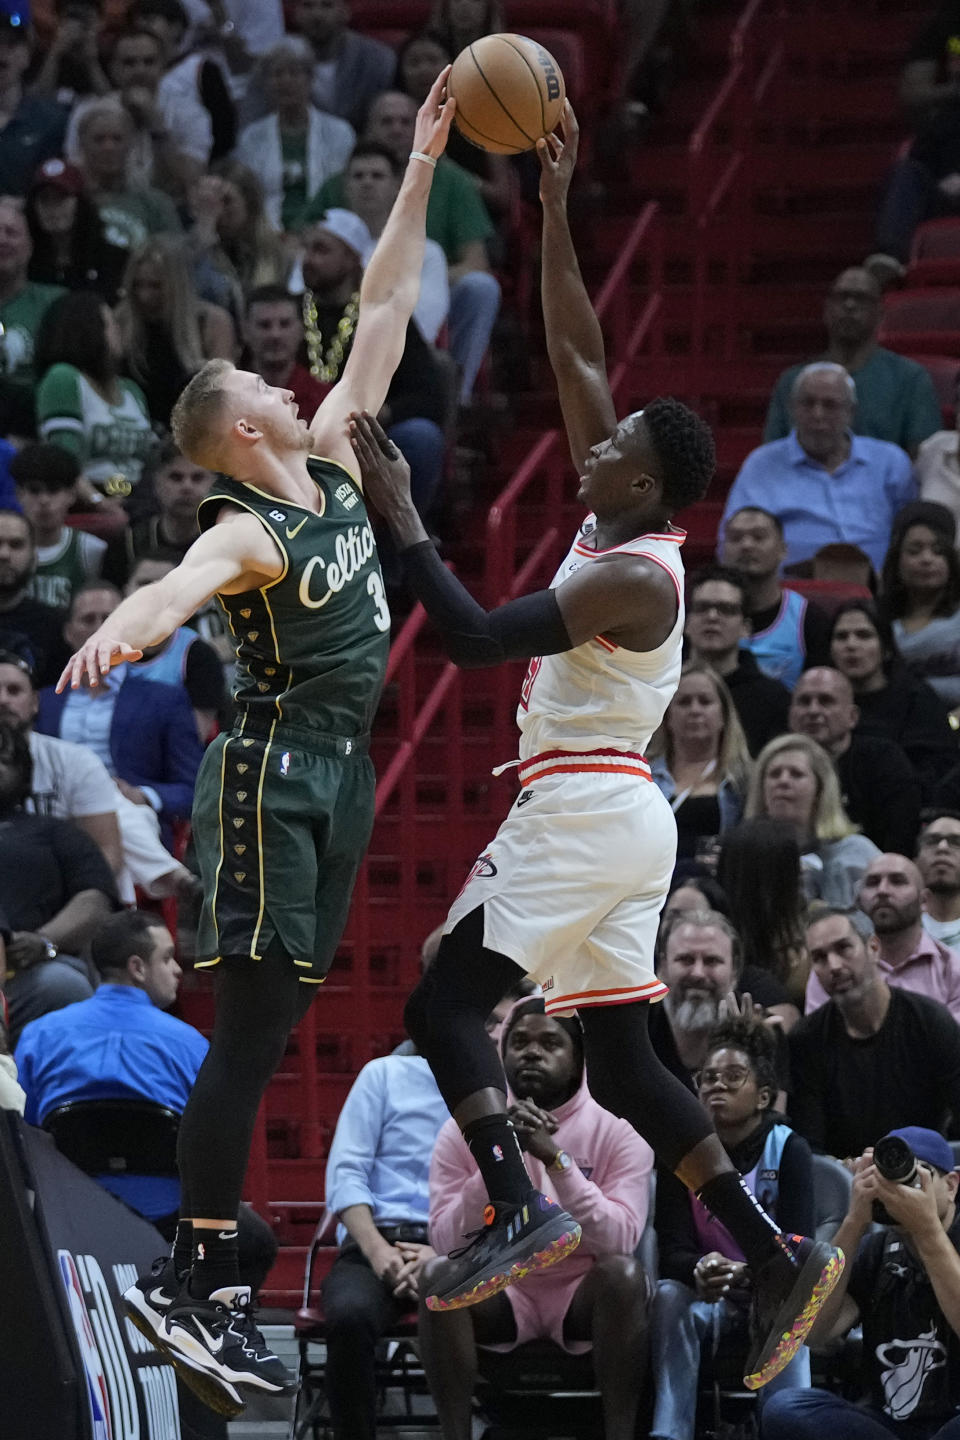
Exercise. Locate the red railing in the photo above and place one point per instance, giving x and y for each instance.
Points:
(439, 714)
(720, 194)
(520, 553)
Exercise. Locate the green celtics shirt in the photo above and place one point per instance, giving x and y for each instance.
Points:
(62, 568)
(20, 319)
(312, 645)
(112, 442)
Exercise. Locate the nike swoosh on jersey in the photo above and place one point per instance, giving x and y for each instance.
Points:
(292, 534)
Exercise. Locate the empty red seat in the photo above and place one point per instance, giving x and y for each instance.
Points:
(935, 253)
(829, 594)
(944, 371)
(567, 48)
(922, 322)
(405, 15)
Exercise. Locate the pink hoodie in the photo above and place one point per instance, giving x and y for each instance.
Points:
(607, 1189)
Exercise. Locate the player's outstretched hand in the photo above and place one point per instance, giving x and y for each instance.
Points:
(95, 658)
(383, 470)
(434, 117)
(557, 154)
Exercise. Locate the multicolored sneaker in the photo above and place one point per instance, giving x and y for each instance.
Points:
(788, 1293)
(147, 1303)
(219, 1336)
(515, 1240)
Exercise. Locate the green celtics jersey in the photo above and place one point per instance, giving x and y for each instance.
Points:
(20, 319)
(311, 646)
(111, 441)
(62, 568)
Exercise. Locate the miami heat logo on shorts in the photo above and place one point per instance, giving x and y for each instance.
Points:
(482, 868)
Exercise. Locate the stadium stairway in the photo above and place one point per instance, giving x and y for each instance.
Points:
(823, 138)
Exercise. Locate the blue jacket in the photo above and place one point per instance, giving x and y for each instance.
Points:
(729, 798)
(153, 739)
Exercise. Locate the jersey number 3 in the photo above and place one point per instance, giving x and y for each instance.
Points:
(381, 611)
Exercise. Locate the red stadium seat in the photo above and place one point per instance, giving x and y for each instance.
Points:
(935, 254)
(829, 594)
(567, 48)
(944, 371)
(922, 322)
(405, 15)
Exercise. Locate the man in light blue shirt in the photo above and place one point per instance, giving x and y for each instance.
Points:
(378, 1185)
(824, 483)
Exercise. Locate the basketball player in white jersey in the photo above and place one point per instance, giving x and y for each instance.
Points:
(570, 889)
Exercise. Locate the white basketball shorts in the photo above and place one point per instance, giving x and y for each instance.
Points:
(573, 883)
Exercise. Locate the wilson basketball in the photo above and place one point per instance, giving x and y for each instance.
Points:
(509, 92)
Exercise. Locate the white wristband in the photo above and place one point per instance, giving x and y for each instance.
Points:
(427, 159)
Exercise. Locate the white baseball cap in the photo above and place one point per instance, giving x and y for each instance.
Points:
(350, 230)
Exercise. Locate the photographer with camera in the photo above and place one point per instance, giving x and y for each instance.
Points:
(902, 1284)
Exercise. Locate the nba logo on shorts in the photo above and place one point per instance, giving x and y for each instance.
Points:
(498, 1152)
(285, 762)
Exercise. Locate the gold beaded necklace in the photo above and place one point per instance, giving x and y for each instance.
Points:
(326, 367)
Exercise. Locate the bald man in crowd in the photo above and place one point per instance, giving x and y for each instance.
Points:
(891, 896)
(895, 399)
(825, 484)
(880, 790)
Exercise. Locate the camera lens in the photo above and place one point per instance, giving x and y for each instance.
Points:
(894, 1159)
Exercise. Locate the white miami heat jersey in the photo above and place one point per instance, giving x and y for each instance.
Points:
(600, 695)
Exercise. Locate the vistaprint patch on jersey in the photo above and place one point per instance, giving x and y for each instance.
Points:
(346, 494)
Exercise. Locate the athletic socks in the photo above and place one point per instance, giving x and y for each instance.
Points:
(215, 1264)
(493, 1143)
(727, 1197)
(183, 1249)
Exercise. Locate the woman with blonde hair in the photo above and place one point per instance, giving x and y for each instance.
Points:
(794, 780)
(167, 332)
(700, 761)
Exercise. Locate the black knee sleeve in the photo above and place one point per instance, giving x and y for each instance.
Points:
(258, 1003)
(446, 1014)
(626, 1077)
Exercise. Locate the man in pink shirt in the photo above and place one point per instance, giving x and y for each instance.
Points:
(599, 1169)
(890, 896)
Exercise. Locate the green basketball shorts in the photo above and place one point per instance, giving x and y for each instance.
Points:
(280, 826)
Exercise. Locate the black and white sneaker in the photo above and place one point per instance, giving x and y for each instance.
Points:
(515, 1240)
(147, 1303)
(219, 1336)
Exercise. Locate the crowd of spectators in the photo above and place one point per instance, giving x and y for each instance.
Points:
(177, 186)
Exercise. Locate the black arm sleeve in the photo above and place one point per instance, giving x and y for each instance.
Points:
(474, 637)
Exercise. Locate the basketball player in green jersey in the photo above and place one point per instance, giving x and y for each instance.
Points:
(284, 802)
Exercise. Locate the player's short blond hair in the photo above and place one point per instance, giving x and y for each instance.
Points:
(197, 418)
